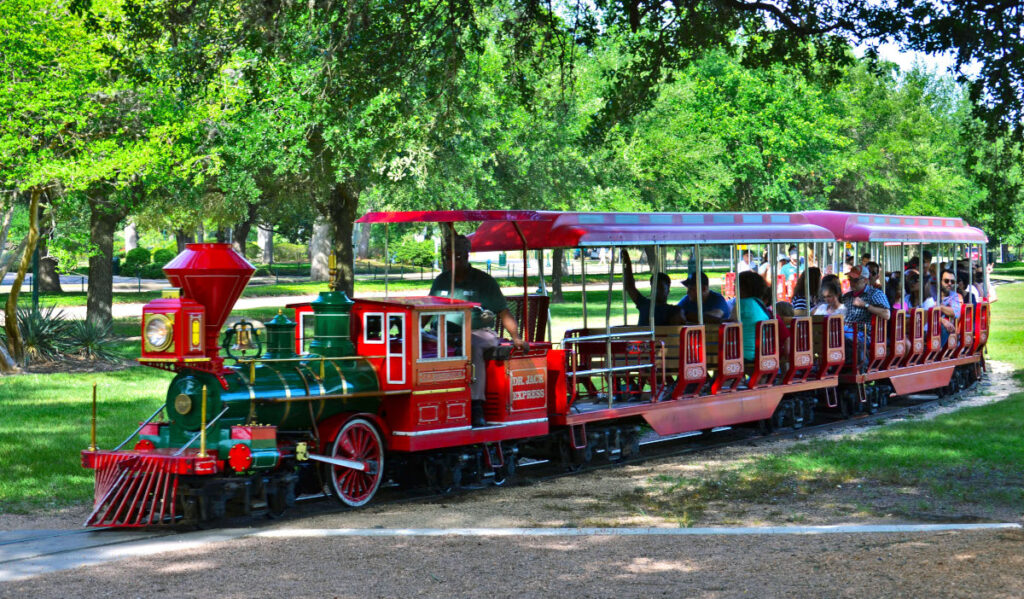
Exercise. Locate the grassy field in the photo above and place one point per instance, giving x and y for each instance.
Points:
(45, 424)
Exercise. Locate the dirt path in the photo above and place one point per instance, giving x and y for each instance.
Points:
(946, 564)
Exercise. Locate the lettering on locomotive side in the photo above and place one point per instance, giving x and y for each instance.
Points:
(527, 388)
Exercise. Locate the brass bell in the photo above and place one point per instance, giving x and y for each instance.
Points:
(244, 332)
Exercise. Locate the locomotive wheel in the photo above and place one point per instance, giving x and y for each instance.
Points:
(357, 440)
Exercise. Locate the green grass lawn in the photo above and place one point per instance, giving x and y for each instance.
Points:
(45, 424)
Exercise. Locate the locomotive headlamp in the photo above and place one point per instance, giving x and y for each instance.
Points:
(159, 332)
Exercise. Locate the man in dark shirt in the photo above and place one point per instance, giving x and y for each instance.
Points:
(664, 312)
(716, 308)
(474, 285)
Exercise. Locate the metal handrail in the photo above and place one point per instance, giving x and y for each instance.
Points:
(611, 369)
(605, 336)
(141, 426)
(197, 435)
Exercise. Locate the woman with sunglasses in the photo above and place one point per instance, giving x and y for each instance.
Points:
(831, 293)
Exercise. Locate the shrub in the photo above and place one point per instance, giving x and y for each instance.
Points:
(152, 271)
(290, 252)
(91, 341)
(43, 332)
(139, 255)
(163, 256)
(416, 253)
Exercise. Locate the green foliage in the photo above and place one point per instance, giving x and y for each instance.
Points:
(416, 253)
(91, 341)
(151, 271)
(135, 261)
(43, 332)
(290, 252)
(163, 255)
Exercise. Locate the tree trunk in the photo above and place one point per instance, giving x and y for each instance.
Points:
(182, 238)
(102, 224)
(5, 227)
(557, 260)
(131, 237)
(651, 257)
(241, 230)
(14, 345)
(363, 247)
(200, 233)
(265, 239)
(49, 280)
(342, 207)
(221, 235)
(319, 250)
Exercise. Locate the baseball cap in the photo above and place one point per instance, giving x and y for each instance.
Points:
(692, 280)
(855, 273)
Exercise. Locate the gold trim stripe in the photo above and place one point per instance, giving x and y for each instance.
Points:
(436, 391)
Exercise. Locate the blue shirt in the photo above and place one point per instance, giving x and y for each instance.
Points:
(714, 301)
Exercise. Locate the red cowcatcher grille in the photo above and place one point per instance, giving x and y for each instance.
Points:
(214, 275)
(140, 488)
(133, 490)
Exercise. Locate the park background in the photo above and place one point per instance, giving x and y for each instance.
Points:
(132, 127)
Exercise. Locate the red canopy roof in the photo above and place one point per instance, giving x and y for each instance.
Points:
(849, 226)
(581, 229)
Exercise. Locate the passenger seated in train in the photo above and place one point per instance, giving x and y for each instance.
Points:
(968, 291)
(716, 308)
(949, 303)
(752, 310)
(862, 302)
(874, 275)
(474, 285)
(664, 312)
(831, 293)
(801, 305)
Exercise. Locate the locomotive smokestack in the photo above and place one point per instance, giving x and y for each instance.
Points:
(214, 275)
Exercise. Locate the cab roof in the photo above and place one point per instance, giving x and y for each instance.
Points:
(541, 229)
(850, 226)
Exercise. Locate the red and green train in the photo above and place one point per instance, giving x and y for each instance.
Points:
(375, 396)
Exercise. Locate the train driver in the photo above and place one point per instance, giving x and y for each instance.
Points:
(664, 312)
(474, 285)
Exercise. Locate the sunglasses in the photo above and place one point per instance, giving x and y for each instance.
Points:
(947, 281)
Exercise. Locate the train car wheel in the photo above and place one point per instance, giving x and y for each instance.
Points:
(357, 440)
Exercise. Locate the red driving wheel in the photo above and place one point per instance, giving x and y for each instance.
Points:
(358, 440)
